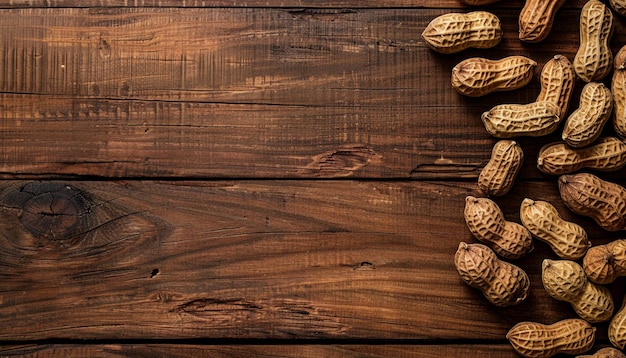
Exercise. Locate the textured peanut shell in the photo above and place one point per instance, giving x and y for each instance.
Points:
(502, 283)
(619, 6)
(455, 32)
(603, 264)
(498, 175)
(585, 124)
(618, 89)
(516, 120)
(567, 239)
(569, 336)
(536, 19)
(606, 154)
(617, 328)
(486, 222)
(606, 352)
(477, 76)
(594, 60)
(603, 201)
(565, 280)
(557, 79)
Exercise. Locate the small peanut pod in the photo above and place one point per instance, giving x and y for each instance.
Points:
(606, 352)
(619, 6)
(593, 60)
(502, 283)
(565, 280)
(455, 32)
(603, 201)
(585, 124)
(557, 83)
(607, 154)
(618, 89)
(477, 76)
(569, 336)
(567, 239)
(617, 328)
(498, 176)
(486, 222)
(603, 264)
(536, 18)
(517, 120)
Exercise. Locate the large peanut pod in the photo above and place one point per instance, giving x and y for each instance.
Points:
(536, 18)
(455, 32)
(569, 336)
(498, 176)
(617, 328)
(517, 120)
(606, 352)
(603, 264)
(565, 280)
(618, 89)
(567, 239)
(603, 201)
(594, 60)
(557, 79)
(502, 283)
(619, 6)
(486, 222)
(585, 124)
(477, 76)
(606, 154)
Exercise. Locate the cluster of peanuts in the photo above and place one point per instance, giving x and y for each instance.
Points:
(581, 273)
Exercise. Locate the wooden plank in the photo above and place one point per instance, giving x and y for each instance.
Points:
(252, 259)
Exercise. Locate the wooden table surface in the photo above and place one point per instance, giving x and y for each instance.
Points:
(275, 178)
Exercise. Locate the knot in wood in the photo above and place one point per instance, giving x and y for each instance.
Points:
(52, 215)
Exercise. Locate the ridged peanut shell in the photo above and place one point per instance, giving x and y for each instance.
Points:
(567, 239)
(594, 60)
(477, 76)
(455, 32)
(585, 124)
(537, 340)
(603, 264)
(557, 80)
(536, 19)
(498, 175)
(619, 6)
(606, 154)
(516, 120)
(606, 352)
(617, 328)
(618, 89)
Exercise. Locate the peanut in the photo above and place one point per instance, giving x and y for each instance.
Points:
(567, 239)
(607, 154)
(455, 32)
(603, 201)
(536, 18)
(603, 264)
(502, 283)
(477, 76)
(617, 328)
(565, 280)
(593, 60)
(619, 6)
(557, 83)
(516, 120)
(569, 336)
(486, 222)
(498, 175)
(585, 124)
(606, 352)
(618, 88)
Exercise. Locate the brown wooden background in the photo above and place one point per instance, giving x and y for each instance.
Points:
(252, 178)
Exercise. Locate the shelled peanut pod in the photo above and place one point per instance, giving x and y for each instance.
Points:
(603, 264)
(522, 120)
(486, 222)
(498, 176)
(557, 79)
(618, 89)
(567, 239)
(594, 60)
(537, 340)
(606, 154)
(536, 19)
(477, 76)
(585, 124)
(455, 32)
(502, 283)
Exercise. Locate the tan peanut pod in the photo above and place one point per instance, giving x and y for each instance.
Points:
(567, 239)
(617, 328)
(537, 340)
(606, 352)
(536, 18)
(606, 154)
(565, 280)
(502, 283)
(517, 120)
(603, 264)
(619, 6)
(603, 201)
(557, 79)
(455, 32)
(479, 2)
(618, 89)
(486, 222)
(498, 175)
(594, 60)
(585, 124)
(477, 76)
